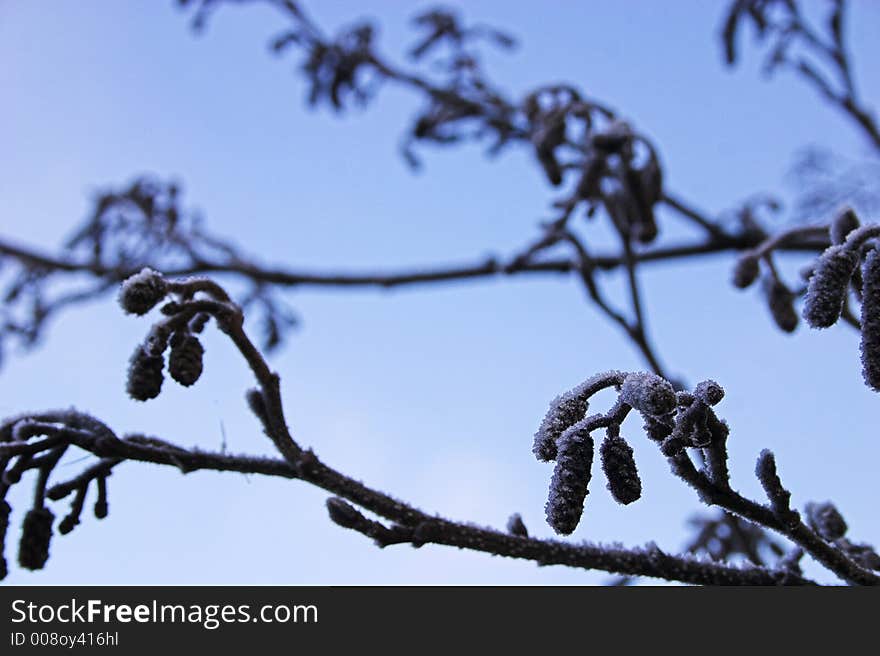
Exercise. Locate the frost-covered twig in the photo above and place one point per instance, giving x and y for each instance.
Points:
(61, 430)
(677, 422)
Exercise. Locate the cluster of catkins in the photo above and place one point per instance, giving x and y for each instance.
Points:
(37, 529)
(37, 526)
(675, 420)
(851, 264)
(780, 299)
(139, 294)
(610, 173)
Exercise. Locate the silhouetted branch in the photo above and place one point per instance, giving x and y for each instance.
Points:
(141, 236)
(809, 52)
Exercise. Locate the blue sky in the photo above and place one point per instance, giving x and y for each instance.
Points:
(429, 393)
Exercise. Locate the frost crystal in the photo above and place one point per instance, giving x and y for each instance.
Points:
(568, 487)
(826, 291)
(648, 393)
(142, 291)
(870, 320)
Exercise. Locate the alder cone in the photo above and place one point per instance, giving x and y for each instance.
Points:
(185, 360)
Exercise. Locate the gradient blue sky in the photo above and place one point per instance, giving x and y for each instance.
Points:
(429, 393)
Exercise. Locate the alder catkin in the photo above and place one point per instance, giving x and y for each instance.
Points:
(648, 393)
(101, 506)
(746, 271)
(5, 510)
(67, 524)
(36, 534)
(144, 375)
(826, 291)
(826, 520)
(571, 477)
(709, 392)
(844, 223)
(185, 358)
(565, 410)
(620, 469)
(141, 292)
(870, 320)
(101, 509)
(780, 301)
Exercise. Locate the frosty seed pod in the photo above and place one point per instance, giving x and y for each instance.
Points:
(185, 358)
(827, 288)
(648, 393)
(144, 375)
(141, 292)
(565, 410)
(571, 477)
(620, 469)
(826, 520)
(780, 302)
(746, 271)
(870, 320)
